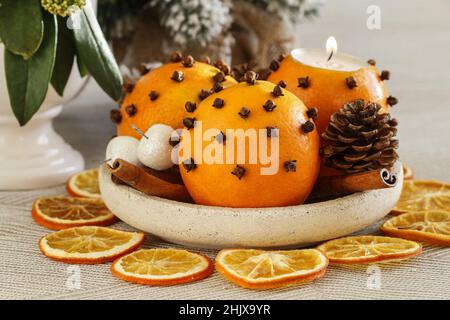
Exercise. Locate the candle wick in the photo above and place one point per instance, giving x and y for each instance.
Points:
(139, 131)
(331, 55)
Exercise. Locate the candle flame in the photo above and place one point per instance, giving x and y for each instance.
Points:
(331, 47)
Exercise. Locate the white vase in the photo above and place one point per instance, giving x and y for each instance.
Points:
(35, 156)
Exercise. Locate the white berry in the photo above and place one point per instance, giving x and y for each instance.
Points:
(122, 147)
(154, 150)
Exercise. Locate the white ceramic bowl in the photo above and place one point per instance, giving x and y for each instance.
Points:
(218, 227)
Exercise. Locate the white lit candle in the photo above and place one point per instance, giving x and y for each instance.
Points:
(326, 79)
(328, 59)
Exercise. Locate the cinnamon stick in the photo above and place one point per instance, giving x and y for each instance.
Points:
(335, 186)
(171, 175)
(141, 180)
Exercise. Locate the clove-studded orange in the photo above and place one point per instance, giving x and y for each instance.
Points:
(328, 90)
(237, 164)
(166, 94)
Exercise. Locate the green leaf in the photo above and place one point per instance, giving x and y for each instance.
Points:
(21, 26)
(28, 80)
(81, 67)
(95, 54)
(65, 55)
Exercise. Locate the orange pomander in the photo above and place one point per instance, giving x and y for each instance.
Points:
(275, 116)
(166, 94)
(329, 90)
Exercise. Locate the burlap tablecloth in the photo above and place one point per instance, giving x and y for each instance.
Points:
(414, 47)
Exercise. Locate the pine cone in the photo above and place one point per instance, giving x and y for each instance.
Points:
(360, 139)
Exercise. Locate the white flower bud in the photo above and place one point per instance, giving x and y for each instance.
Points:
(122, 147)
(154, 149)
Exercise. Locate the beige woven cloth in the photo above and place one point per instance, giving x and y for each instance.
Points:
(26, 274)
(421, 81)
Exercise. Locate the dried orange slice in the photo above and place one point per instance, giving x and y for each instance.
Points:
(61, 212)
(423, 196)
(431, 226)
(84, 184)
(259, 269)
(364, 249)
(89, 245)
(408, 173)
(162, 267)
